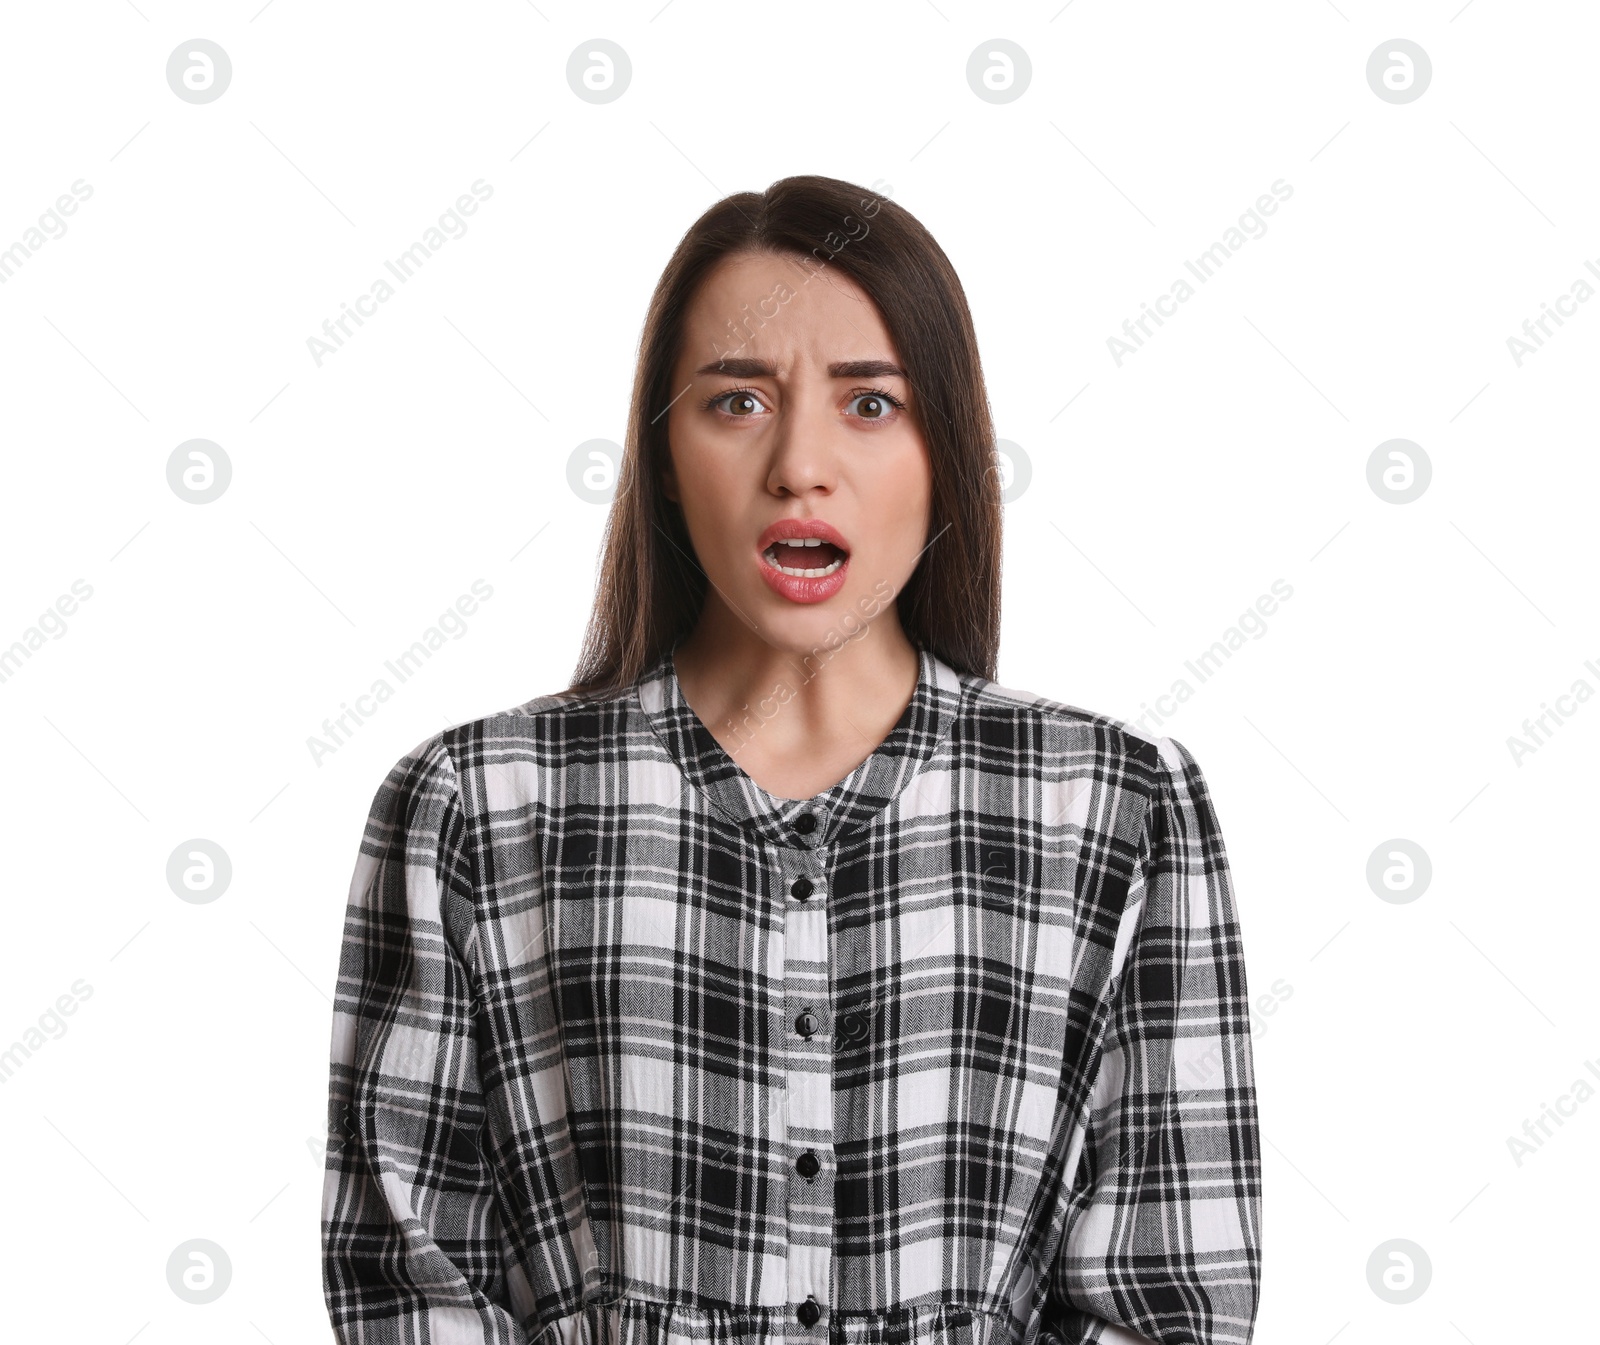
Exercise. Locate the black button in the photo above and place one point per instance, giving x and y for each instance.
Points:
(808, 1312)
(801, 888)
(1049, 1338)
(806, 1165)
(806, 1023)
(806, 823)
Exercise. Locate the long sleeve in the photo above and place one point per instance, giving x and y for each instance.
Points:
(1163, 1229)
(411, 1231)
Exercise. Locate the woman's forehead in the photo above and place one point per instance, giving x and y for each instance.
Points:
(763, 309)
(779, 279)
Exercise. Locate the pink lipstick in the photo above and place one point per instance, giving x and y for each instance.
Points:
(803, 559)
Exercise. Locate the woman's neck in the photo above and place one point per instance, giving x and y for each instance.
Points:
(797, 719)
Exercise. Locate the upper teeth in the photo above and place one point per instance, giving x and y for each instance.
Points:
(806, 573)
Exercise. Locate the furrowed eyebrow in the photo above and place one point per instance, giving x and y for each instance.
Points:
(744, 367)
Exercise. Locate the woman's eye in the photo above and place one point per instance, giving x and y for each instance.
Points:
(737, 403)
(874, 406)
(742, 404)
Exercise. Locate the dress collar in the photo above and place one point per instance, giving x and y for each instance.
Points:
(865, 791)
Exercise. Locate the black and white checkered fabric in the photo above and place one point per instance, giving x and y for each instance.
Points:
(628, 1051)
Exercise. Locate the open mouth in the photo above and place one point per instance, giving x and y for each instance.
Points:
(805, 557)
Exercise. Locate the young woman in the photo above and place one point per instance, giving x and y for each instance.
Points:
(786, 977)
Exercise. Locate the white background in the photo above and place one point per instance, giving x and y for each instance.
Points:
(186, 1096)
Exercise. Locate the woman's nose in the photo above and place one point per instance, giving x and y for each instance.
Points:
(803, 445)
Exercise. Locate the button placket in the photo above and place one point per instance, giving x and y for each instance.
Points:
(798, 835)
(809, 1092)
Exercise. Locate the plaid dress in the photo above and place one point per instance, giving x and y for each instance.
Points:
(628, 1051)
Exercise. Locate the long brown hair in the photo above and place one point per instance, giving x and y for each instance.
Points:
(651, 588)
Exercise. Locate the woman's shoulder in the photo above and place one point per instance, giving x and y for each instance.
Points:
(1066, 742)
(546, 731)
(1067, 726)
(561, 714)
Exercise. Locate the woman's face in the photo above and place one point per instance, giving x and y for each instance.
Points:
(791, 416)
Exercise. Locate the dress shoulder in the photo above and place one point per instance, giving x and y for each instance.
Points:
(1103, 733)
